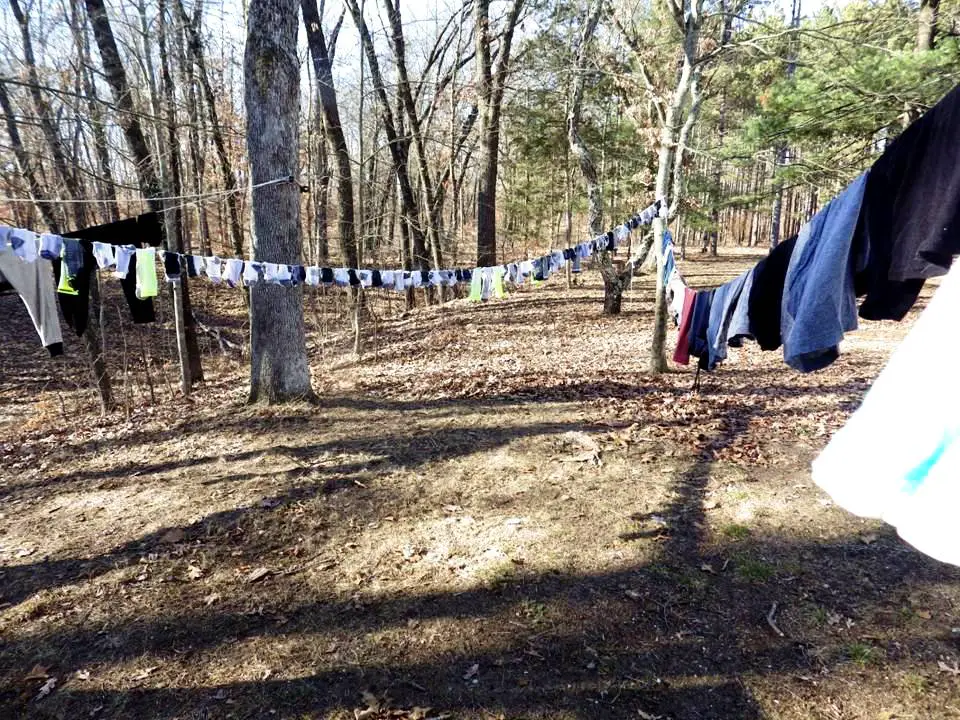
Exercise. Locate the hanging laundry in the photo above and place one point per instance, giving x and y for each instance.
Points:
(33, 282)
(276, 274)
(725, 299)
(105, 255)
(326, 276)
(699, 323)
(819, 303)
(213, 267)
(498, 289)
(669, 261)
(194, 266)
(766, 295)
(313, 276)
(172, 266)
(898, 456)
(124, 255)
(376, 278)
(71, 255)
(144, 230)
(25, 244)
(50, 246)
(682, 352)
(146, 273)
(675, 295)
(251, 273)
(739, 329)
(909, 227)
(232, 270)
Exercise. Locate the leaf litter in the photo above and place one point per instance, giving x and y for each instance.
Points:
(403, 487)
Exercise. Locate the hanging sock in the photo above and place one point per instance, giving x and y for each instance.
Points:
(211, 266)
(194, 265)
(146, 273)
(251, 273)
(476, 287)
(498, 290)
(233, 271)
(50, 246)
(172, 268)
(103, 253)
(123, 255)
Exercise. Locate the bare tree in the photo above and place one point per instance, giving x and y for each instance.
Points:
(322, 54)
(279, 370)
(614, 283)
(491, 84)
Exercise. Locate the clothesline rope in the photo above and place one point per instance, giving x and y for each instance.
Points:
(189, 198)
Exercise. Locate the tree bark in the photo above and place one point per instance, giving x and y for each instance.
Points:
(195, 45)
(927, 25)
(188, 350)
(490, 85)
(279, 369)
(320, 54)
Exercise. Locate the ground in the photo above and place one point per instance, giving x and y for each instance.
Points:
(495, 514)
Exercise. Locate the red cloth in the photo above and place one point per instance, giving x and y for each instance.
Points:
(682, 353)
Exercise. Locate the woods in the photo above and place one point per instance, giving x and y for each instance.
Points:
(476, 135)
(480, 359)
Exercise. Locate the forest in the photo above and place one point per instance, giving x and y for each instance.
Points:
(389, 416)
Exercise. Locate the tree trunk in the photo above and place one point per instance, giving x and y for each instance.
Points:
(320, 54)
(490, 88)
(188, 350)
(398, 142)
(279, 370)
(127, 117)
(226, 171)
(927, 26)
(614, 283)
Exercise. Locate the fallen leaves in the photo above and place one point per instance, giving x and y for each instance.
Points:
(194, 572)
(172, 537)
(257, 575)
(952, 669)
(47, 688)
(145, 672)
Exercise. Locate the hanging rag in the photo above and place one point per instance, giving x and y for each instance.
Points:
(146, 273)
(50, 246)
(819, 302)
(33, 282)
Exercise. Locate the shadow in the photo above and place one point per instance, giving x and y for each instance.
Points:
(406, 451)
(654, 637)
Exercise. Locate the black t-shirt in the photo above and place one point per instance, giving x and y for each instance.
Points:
(766, 295)
(909, 228)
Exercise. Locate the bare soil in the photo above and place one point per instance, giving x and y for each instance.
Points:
(496, 513)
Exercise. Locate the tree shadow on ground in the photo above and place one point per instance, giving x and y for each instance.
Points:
(674, 636)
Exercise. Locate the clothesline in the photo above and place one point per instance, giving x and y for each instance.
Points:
(892, 228)
(30, 263)
(189, 198)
